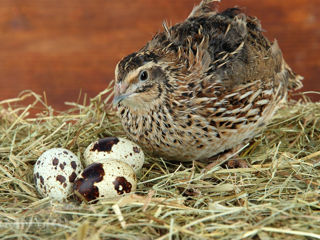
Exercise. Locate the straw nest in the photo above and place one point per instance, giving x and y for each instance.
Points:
(277, 197)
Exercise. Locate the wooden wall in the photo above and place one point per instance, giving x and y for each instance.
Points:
(62, 46)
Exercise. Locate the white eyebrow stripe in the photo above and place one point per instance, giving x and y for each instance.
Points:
(116, 71)
(134, 73)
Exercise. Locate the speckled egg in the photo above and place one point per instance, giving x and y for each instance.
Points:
(115, 148)
(110, 179)
(55, 172)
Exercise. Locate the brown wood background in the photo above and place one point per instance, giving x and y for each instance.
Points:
(63, 46)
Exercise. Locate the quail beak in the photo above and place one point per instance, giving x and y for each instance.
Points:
(119, 90)
(118, 99)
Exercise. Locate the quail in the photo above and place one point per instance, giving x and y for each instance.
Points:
(203, 86)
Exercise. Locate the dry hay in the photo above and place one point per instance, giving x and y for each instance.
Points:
(277, 197)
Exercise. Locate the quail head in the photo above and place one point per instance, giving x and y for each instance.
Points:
(202, 86)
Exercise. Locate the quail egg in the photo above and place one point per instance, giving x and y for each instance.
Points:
(105, 180)
(55, 171)
(115, 148)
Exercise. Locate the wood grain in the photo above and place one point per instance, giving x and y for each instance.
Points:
(63, 46)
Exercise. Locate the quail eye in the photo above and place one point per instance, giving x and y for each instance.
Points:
(143, 76)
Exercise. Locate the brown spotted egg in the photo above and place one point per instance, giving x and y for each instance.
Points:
(110, 179)
(115, 148)
(55, 171)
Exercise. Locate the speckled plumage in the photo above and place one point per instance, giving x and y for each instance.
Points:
(202, 86)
